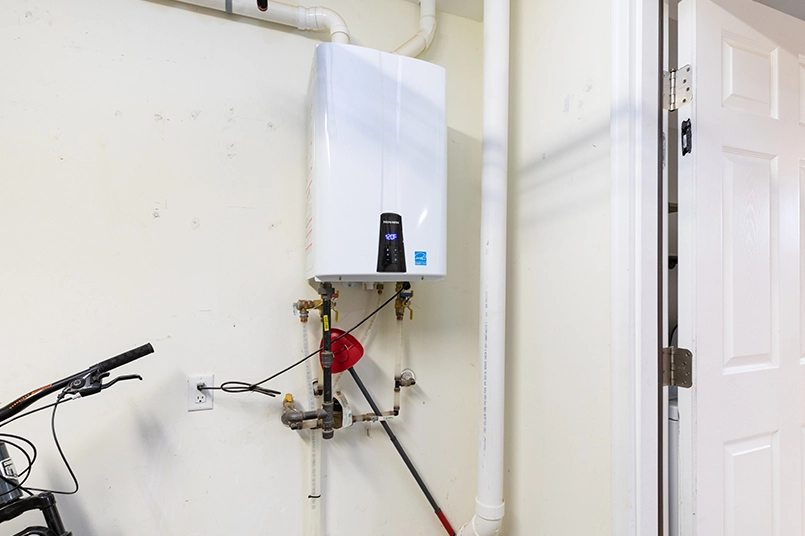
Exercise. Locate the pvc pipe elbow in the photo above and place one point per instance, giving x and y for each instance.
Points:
(424, 37)
(302, 18)
(419, 43)
(309, 19)
(330, 20)
(322, 18)
(479, 526)
(413, 47)
(427, 28)
(487, 520)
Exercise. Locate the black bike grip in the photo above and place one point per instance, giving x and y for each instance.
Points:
(125, 357)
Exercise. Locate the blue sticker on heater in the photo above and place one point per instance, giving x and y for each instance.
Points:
(421, 258)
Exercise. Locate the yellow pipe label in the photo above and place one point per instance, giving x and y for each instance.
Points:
(326, 319)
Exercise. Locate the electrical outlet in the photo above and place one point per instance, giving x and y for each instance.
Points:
(199, 399)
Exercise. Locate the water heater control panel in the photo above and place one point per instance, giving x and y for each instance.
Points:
(391, 251)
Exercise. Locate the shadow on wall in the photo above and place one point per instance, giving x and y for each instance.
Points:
(77, 516)
(463, 220)
(566, 163)
(556, 259)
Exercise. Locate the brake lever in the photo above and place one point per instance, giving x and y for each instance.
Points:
(121, 379)
(92, 383)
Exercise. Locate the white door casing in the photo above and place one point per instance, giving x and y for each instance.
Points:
(634, 189)
(742, 425)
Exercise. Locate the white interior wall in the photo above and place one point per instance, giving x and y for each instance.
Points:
(559, 470)
(151, 189)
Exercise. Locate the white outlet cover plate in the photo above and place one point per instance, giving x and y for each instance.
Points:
(197, 400)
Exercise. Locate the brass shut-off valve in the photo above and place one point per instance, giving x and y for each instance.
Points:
(303, 307)
(288, 402)
(403, 302)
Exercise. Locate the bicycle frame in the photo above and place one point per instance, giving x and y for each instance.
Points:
(85, 383)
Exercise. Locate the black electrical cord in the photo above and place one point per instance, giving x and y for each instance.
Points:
(245, 387)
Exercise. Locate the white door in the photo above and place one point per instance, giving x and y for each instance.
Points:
(742, 425)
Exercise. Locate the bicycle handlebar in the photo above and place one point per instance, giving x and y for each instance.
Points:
(125, 357)
(16, 406)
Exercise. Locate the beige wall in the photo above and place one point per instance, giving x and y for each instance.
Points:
(558, 449)
(151, 189)
(152, 162)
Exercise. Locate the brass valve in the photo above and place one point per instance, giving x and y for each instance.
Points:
(305, 306)
(288, 402)
(403, 302)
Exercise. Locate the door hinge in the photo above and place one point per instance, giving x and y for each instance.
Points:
(677, 88)
(677, 367)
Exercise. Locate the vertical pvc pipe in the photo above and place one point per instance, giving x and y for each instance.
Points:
(489, 505)
(315, 513)
(367, 334)
(398, 366)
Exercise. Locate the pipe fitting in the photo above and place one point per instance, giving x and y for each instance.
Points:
(427, 30)
(478, 526)
(302, 18)
(407, 378)
(296, 419)
(310, 19)
(487, 520)
(371, 417)
(403, 301)
(303, 307)
(327, 19)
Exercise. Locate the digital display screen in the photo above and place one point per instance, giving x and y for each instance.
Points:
(391, 236)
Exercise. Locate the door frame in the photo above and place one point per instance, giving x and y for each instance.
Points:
(636, 121)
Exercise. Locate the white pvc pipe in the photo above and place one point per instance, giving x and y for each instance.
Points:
(302, 18)
(315, 512)
(427, 29)
(489, 504)
(398, 362)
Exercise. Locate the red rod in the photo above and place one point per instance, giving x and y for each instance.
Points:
(446, 523)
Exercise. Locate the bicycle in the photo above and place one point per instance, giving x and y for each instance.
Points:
(12, 484)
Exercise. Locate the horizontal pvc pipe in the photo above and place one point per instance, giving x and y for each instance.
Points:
(301, 18)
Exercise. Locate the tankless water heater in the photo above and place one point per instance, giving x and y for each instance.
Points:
(377, 156)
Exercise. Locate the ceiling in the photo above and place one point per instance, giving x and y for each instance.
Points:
(792, 7)
(471, 9)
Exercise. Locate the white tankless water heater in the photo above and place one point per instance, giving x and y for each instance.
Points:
(377, 185)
